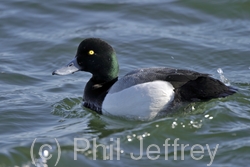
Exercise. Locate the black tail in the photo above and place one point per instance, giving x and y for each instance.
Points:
(228, 92)
(205, 88)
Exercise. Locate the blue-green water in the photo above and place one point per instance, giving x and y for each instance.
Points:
(37, 37)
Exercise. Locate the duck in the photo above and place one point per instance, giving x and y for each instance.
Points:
(142, 94)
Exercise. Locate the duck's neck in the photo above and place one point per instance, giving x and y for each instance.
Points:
(101, 81)
(95, 92)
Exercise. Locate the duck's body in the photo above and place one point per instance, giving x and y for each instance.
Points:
(140, 94)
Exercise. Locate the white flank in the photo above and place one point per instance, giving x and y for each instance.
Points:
(142, 101)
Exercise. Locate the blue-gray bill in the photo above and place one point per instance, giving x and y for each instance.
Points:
(70, 68)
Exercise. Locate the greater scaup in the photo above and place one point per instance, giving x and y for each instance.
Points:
(140, 94)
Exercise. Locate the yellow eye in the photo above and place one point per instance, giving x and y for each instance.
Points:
(91, 52)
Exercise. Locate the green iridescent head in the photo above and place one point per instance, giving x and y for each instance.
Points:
(95, 56)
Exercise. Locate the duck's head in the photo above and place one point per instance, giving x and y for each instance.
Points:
(95, 56)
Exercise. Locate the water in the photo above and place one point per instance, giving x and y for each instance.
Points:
(38, 37)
